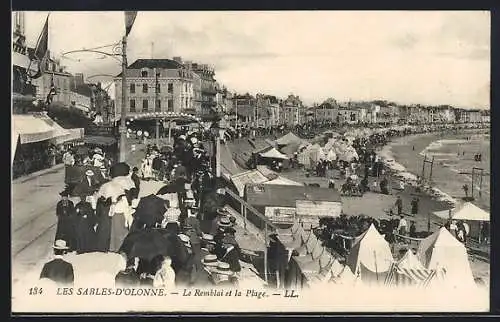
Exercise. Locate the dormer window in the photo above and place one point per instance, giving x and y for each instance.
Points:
(144, 73)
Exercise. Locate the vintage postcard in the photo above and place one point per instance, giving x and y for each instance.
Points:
(250, 161)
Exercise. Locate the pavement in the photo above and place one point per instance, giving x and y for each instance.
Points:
(33, 219)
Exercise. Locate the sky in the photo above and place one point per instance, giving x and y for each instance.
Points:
(425, 57)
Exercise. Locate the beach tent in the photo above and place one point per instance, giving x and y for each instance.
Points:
(290, 149)
(370, 256)
(284, 181)
(331, 155)
(288, 139)
(443, 251)
(408, 271)
(346, 277)
(273, 154)
(467, 211)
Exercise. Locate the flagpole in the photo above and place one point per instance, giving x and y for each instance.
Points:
(123, 129)
(40, 37)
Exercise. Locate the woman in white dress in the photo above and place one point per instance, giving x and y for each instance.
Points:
(165, 276)
(146, 167)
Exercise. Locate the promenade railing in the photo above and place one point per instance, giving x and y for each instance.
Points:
(252, 217)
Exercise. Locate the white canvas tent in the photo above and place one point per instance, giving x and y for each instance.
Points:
(273, 154)
(443, 251)
(467, 211)
(370, 255)
(408, 271)
(288, 138)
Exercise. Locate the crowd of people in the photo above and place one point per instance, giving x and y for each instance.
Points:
(185, 217)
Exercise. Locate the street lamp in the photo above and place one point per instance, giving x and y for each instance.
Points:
(218, 130)
(117, 51)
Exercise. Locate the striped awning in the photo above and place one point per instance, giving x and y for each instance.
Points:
(71, 135)
(399, 276)
(32, 128)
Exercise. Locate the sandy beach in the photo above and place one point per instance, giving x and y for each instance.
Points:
(402, 151)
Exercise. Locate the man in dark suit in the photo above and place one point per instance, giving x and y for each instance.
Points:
(193, 230)
(58, 270)
(128, 277)
(88, 184)
(135, 178)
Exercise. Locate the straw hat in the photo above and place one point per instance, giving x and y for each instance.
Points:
(223, 268)
(210, 260)
(222, 211)
(208, 238)
(184, 238)
(60, 244)
(224, 222)
(89, 173)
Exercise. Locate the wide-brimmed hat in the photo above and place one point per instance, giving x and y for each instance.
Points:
(89, 173)
(60, 244)
(222, 211)
(223, 268)
(64, 193)
(184, 238)
(224, 222)
(208, 238)
(210, 260)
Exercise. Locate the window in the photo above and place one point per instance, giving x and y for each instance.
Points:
(170, 105)
(158, 88)
(144, 105)
(170, 87)
(158, 106)
(132, 105)
(144, 73)
(144, 88)
(132, 88)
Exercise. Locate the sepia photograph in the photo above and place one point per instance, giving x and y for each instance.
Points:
(250, 161)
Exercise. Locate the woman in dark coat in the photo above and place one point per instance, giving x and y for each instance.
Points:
(65, 211)
(85, 223)
(103, 233)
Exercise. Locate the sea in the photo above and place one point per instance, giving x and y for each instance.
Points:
(457, 154)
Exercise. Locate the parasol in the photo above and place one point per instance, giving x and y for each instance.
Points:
(150, 210)
(125, 182)
(119, 170)
(147, 244)
(111, 190)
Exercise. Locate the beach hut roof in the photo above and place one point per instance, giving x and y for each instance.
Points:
(242, 179)
(273, 154)
(284, 181)
(371, 250)
(466, 211)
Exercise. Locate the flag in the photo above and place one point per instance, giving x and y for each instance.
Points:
(43, 42)
(52, 92)
(129, 21)
(41, 49)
